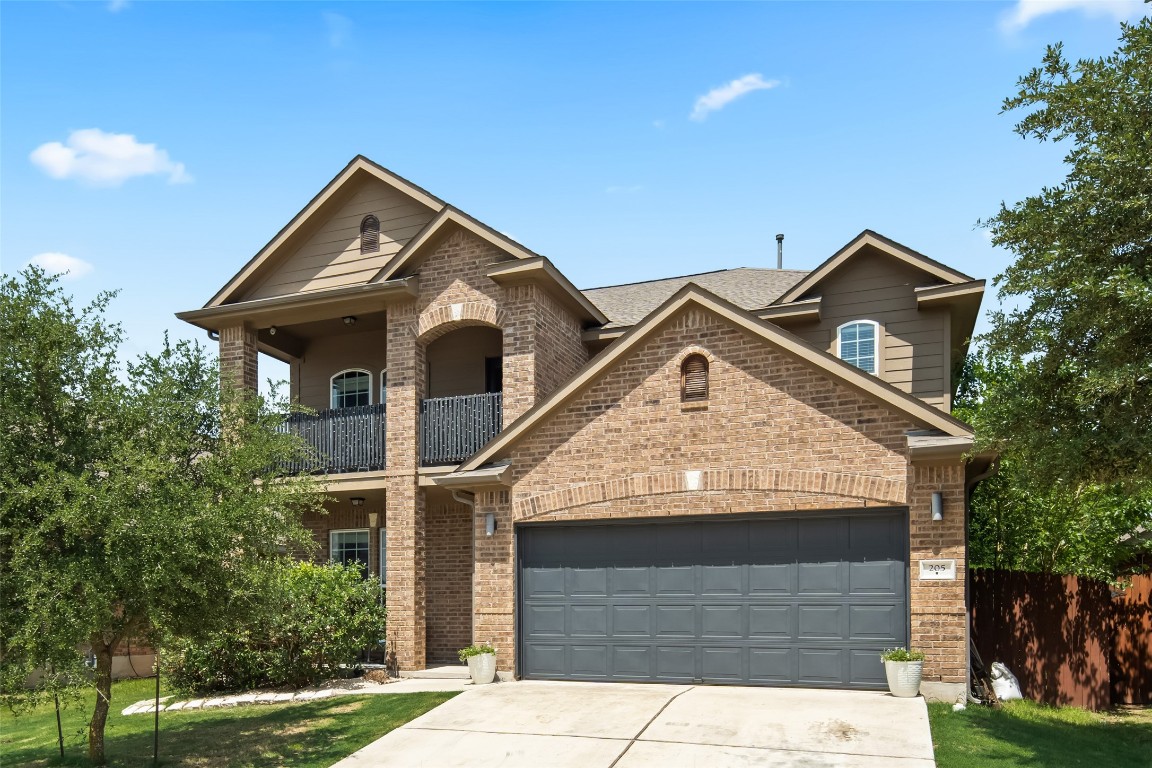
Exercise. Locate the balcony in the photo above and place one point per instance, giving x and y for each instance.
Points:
(454, 428)
(344, 439)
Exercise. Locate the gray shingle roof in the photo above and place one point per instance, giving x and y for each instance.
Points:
(746, 287)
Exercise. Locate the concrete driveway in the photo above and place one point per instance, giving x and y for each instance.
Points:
(598, 725)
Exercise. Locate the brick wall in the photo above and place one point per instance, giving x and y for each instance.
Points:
(449, 575)
(493, 578)
(559, 350)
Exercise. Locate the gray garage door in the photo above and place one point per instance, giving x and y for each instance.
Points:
(806, 600)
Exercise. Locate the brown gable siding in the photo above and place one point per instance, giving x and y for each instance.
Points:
(331, 258)
(914, 343)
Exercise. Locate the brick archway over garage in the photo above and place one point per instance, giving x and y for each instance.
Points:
(840, 489)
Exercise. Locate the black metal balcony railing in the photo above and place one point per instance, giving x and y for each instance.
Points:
(454, 428)
(344, 439)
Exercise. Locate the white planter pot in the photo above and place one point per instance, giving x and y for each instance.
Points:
(904, 677)
(482, 668)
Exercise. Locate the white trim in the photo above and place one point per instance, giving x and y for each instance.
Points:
(332, 379)
(383, 393)
(875, 342)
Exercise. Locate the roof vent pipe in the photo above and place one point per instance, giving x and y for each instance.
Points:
(780, 251)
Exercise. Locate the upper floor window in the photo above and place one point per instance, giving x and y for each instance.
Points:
(370, 234)
(856, 344)
(694, 378)
(351, 388)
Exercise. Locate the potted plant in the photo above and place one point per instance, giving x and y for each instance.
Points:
(903, 668)
(481, 661)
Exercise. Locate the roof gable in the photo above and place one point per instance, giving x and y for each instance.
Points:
(339, 192)
(872, 240)
(693, 296)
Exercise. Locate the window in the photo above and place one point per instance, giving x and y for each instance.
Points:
(383, 387)
(351, 388)
(493, 374)
(694, 378)
(856, 344)
(370, 234)
(347, 547)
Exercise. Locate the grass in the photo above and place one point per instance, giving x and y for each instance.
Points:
(316, 733)
(1032, 735)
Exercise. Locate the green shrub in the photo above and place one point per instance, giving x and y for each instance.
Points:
(901, 654)
(313, 620)
(475, 650)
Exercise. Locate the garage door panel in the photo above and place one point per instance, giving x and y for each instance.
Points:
(675, 580)
(879, 623)
(631, 582)
(772, 579)
(676, 663)
(866, 668)
(776, 622)
(632, 661)
(803, 599)
(586, 582)
(723, 579)
(543, 582)
(771, 665)
(883, 577)
(590, 660)
(821, 622)
(544, 621)
(820, 578)
(588, 620)
(676, 621)
(631, 621)
(722, 621)
(821, 665)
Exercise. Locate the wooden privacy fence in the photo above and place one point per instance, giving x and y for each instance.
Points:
(1069, 640)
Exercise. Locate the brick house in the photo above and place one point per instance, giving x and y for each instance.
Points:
(745, 476)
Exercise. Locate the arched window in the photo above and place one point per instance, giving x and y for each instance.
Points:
(370, 234)
(351, 388)
(694, 378)
(856, 344)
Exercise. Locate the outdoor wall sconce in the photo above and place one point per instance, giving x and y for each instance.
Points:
(937, 505)
(349, 320)
(489, 523)
(373, 518)
(357, 501)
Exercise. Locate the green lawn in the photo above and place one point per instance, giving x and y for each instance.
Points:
(1036, 736)
(315, 733)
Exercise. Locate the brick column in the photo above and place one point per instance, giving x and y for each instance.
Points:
(939, 613)
(404, 505)
(494, 579)
(520, 335)
(238, 357)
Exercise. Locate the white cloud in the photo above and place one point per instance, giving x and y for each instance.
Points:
(718, 98)
(115, 6)
(70, 267)
(624, 189)
(1027, 11)
(106, 159)
(339, 29)
(658, 124)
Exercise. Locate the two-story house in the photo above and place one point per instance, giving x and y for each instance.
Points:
(745, 476)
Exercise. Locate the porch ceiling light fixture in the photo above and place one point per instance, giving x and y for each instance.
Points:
(937, 506)
(272, 331)
(349, 320)
(357, 501)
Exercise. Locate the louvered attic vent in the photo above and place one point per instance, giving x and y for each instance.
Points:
(694, 378)
(370, 234)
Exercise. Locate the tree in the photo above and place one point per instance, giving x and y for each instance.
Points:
(133, 503)
(1023, 521)
(1076, 412)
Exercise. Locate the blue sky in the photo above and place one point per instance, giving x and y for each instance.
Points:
(159, 145)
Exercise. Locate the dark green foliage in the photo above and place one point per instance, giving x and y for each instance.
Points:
(314, 619)
(1079, 345)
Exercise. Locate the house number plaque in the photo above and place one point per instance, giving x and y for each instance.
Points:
(938, 570)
